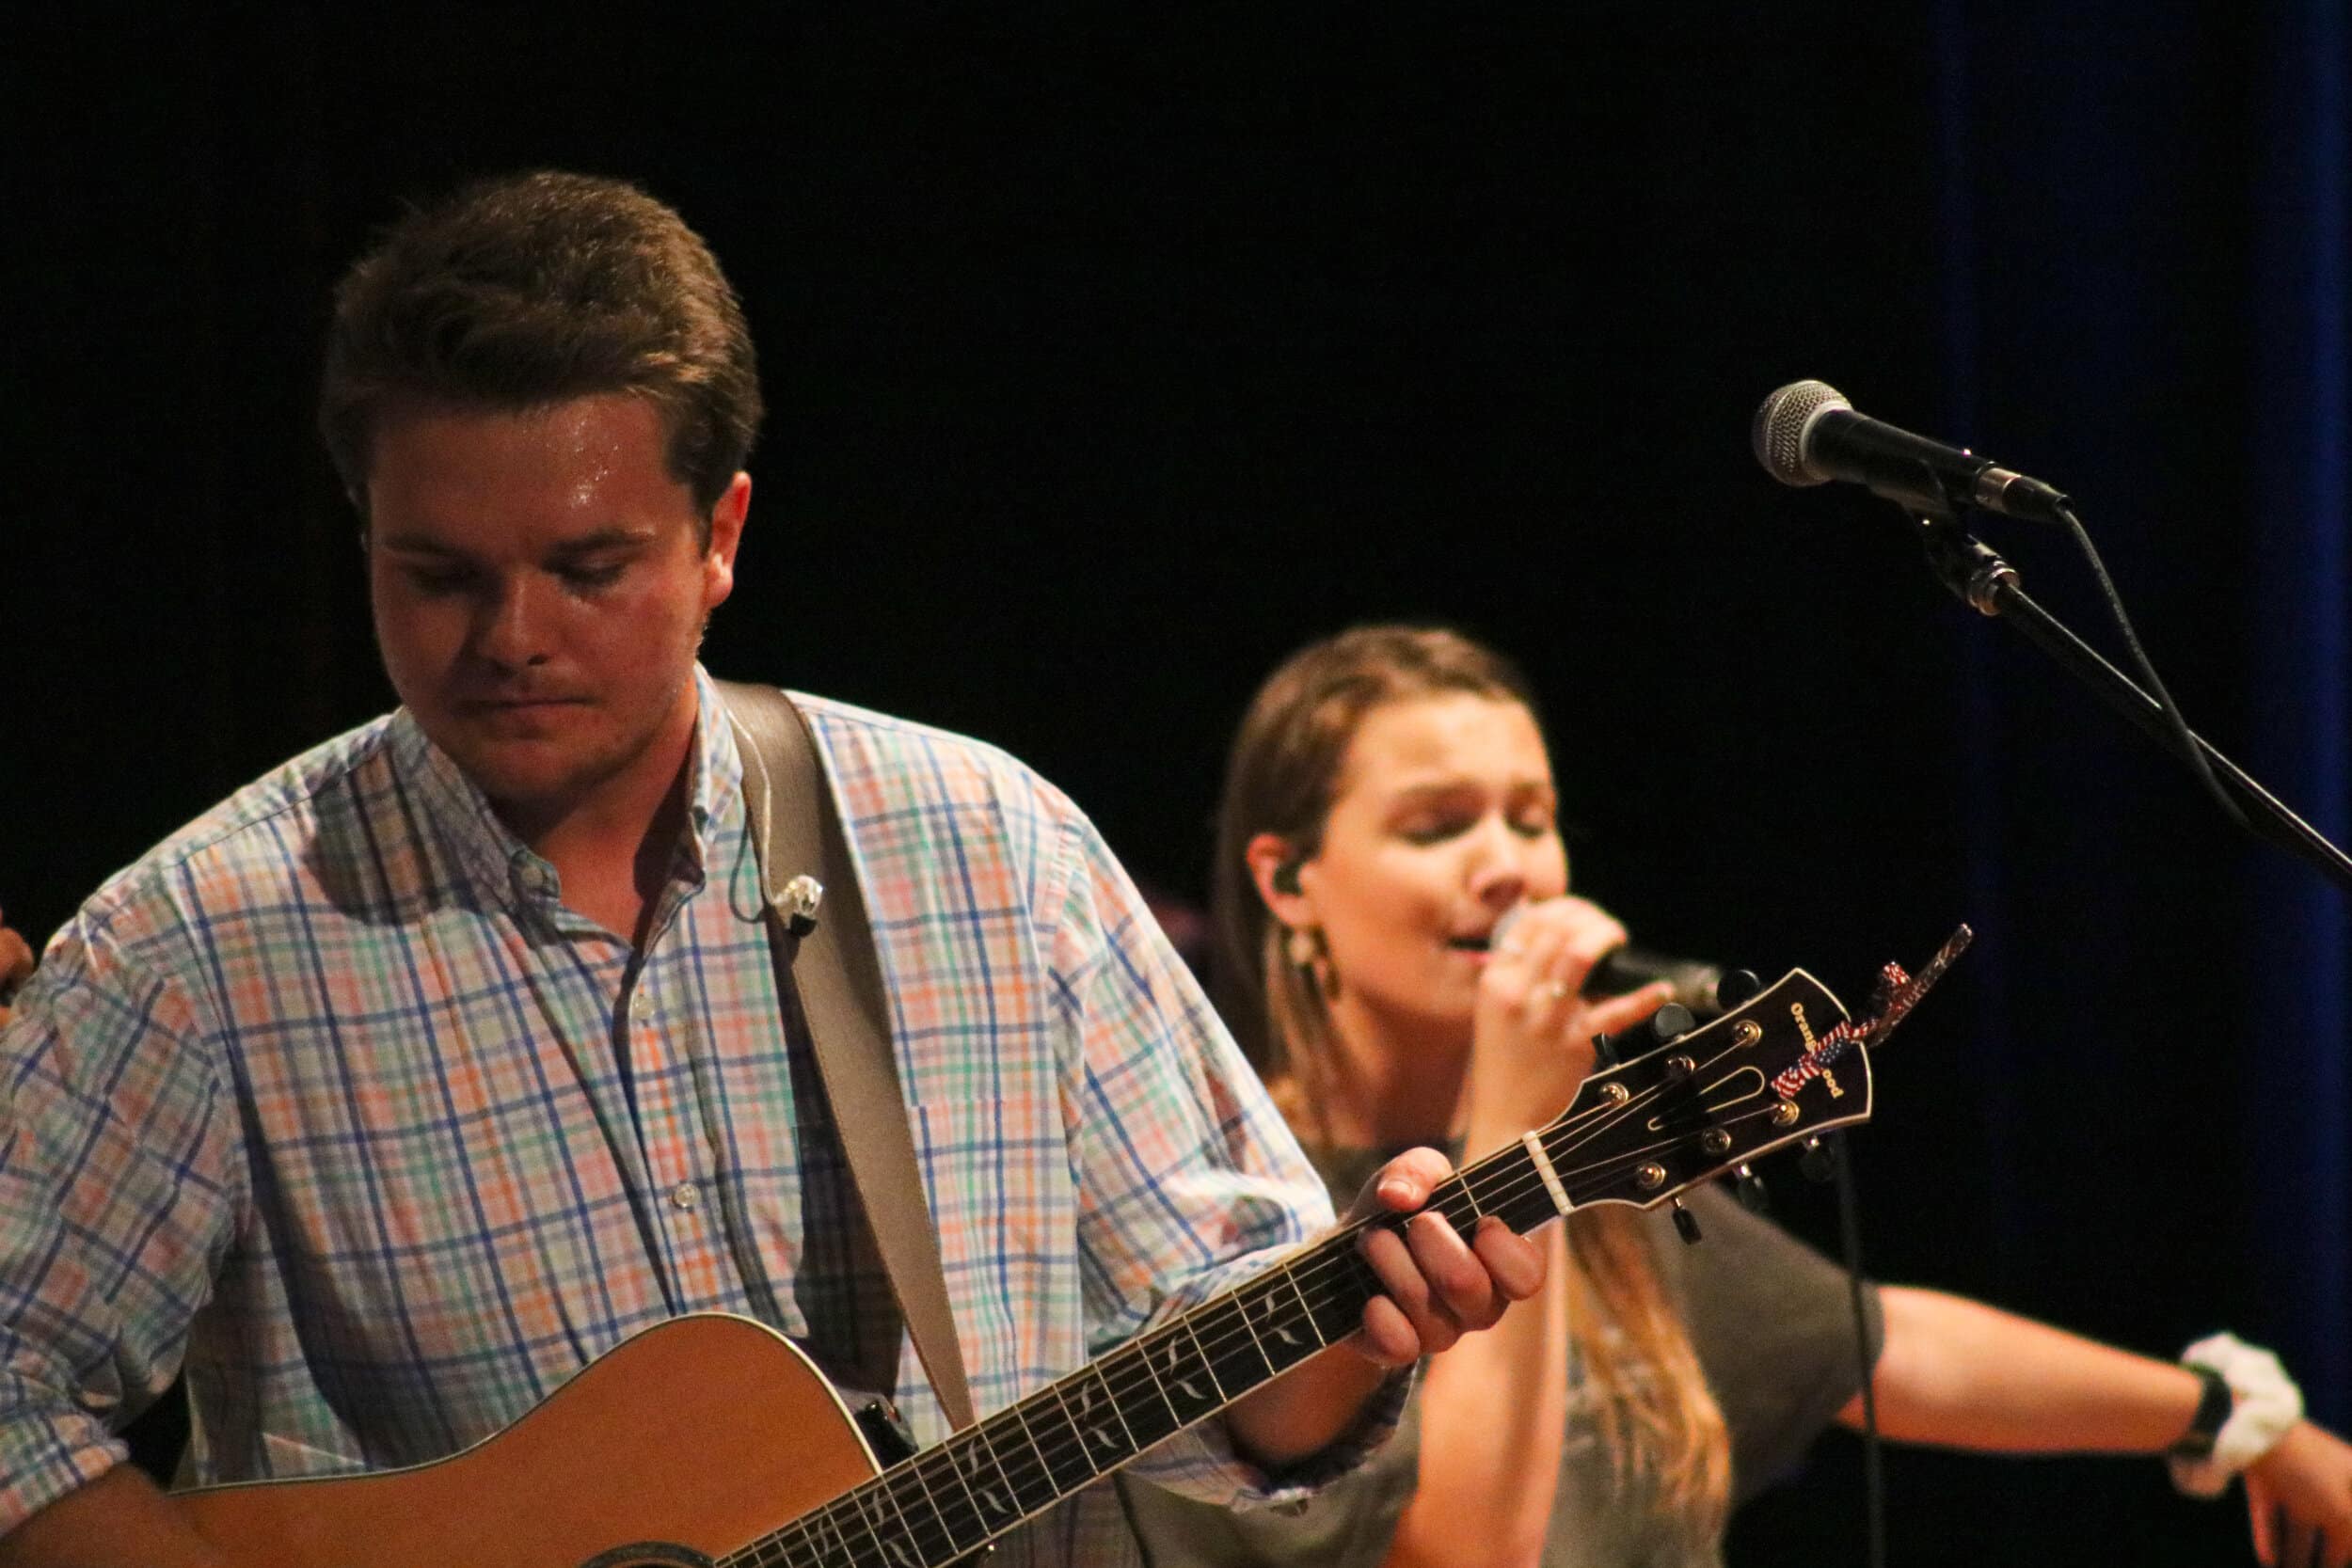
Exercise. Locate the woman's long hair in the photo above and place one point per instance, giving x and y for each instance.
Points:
(1652, 1401)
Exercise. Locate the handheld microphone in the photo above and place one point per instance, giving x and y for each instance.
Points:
(1710, 991)
(1808, 433)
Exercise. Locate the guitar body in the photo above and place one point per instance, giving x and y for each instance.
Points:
(680, 1444)
(701, 1440)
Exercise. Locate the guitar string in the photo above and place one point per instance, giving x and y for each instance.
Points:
(1133, 1359)
(955, 1545)
(979, 1527)
(978, 1524)
(942, 1533)
(1316, 1270)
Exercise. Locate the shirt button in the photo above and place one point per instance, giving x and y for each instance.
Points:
(685, 1196)
(644, 1006)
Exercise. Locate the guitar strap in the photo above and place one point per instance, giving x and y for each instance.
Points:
(828, 969)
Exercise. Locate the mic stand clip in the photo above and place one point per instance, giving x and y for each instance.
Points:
(1990, 585)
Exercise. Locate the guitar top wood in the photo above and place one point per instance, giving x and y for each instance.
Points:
(703, 1432)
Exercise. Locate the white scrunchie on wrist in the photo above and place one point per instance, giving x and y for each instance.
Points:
(2267, 1403)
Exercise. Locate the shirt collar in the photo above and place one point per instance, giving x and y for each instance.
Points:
(488, 854)
(715, 789)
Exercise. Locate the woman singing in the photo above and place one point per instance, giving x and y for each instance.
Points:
(1388, 798)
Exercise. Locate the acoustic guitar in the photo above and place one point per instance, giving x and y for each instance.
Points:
(712, 1441)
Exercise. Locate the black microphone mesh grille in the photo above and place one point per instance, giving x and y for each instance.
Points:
(1778, 432)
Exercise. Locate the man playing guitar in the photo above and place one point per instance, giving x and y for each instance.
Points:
(411, 1078)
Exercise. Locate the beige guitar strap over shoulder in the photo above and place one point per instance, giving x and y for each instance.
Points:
(822, 944)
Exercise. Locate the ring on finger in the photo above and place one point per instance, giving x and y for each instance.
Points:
(1554, 991)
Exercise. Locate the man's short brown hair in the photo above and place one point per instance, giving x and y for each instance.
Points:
(534, 288)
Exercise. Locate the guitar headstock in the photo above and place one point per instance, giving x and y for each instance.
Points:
(1781, 1067)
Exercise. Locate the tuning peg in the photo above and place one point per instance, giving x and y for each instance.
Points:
(1819, 1161)
(1753, 1196)
(1686, 1225)
(1640, 1040)
(1737, 988)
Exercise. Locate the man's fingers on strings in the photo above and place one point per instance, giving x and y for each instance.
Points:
(1461, 1293)
(1387, 1336)
(1405, 1184)
(1514, 1263)
(1399, 1277)
(1398, 1261)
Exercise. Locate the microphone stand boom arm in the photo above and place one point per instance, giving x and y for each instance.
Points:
(1989, 584)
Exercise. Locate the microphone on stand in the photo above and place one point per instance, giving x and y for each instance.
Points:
(1808, 433)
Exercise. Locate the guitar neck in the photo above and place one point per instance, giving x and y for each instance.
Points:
(1755, 1079)
(952, 1498)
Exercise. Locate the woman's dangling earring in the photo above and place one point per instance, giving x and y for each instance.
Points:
(1307, 954)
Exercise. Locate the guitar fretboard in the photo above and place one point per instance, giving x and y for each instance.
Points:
(1638, 1134)
(954, 1498)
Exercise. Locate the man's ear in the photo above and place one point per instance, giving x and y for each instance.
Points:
(726, 537)
(1279, 872)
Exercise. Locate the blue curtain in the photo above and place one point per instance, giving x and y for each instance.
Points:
(2142, 219)
(2300, 625)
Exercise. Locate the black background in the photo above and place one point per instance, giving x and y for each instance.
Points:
(1109, 358)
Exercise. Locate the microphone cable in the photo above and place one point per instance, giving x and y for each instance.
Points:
(2192, 752)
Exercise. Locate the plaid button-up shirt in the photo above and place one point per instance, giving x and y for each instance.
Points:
(331, 1094)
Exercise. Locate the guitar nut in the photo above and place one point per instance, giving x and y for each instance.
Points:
(1617, 1094)
(1746, 1032)
(1786, 1114)
(1715, 1141)
(1650, 1177)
